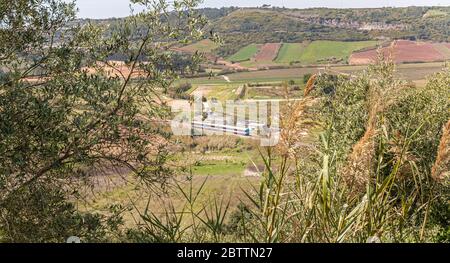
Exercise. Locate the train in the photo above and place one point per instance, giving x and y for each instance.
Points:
(221, 128)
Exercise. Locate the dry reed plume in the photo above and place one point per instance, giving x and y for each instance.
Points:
(295, 126)
(441, 167)
(310, 85)
(356, 172)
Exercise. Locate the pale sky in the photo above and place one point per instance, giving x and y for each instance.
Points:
(120, 8)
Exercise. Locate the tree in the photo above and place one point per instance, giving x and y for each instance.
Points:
(66, 111)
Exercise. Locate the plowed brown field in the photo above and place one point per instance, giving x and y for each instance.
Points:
(403, 51)
(268, 52)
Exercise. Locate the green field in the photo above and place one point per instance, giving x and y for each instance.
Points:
(204, 46)
(316, 52)
(290, 52)
(245, 53)
(223, 92)
(319, 52)
(219, 168)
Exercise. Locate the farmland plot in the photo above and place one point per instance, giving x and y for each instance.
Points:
(245, 53)
(268, 52)
(203, 46)
(444, 49)
(405, 51)
(321, 52)
(290, 52)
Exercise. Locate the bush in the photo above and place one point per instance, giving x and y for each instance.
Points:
(306, 77)
(182, 88)
(23, 214)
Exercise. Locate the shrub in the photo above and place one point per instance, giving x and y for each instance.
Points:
(306, 77)
(183, 88)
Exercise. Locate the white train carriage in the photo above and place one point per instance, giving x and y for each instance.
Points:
(217, 127)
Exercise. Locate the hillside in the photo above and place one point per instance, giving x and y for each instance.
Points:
(245, 26)
(240, 27)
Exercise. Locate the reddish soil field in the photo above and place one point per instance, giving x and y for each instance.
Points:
(114, 69)
(401, 51)
(268, 52)
(117, 69)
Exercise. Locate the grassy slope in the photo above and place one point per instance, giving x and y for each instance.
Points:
(320, 50)
(290, 52)
(205, 46)
(225, 92)
(214, 168)
(245, 53)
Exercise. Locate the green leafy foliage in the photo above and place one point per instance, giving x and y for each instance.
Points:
(68, 112)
